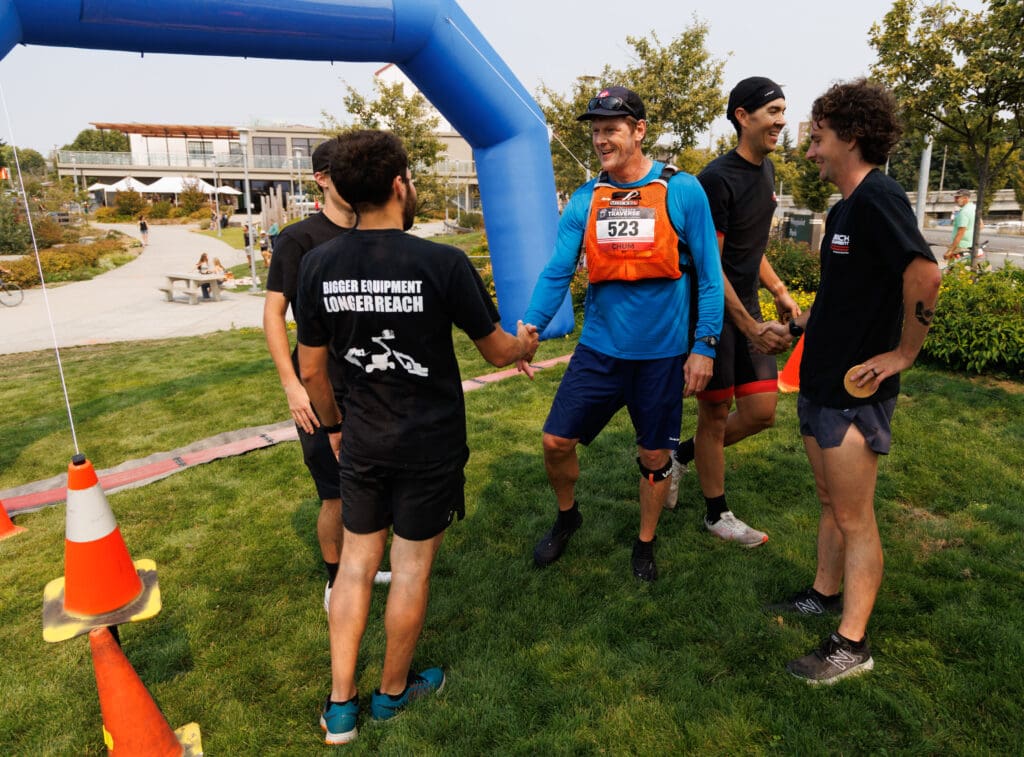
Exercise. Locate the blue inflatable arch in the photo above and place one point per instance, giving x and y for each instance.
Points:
(432, 41)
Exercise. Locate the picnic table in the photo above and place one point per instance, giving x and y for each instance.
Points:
(193, 285)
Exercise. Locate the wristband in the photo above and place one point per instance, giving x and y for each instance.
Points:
(795, 330)
(335, 429)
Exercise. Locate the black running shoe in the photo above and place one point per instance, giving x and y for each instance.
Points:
(643, 560)
(809, 602)
(552, 544)
(834, 660)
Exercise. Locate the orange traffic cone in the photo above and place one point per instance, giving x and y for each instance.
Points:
(7, 527)
(132, 723)
(789, 379)
(101, 586)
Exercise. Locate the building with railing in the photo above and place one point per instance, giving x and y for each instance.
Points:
(275, 156)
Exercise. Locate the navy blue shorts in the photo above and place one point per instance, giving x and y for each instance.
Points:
(596, 386)
(828, 425)
(416, 505)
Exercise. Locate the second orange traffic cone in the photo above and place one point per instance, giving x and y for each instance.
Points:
(132, 723)
(101, 585)
(789, 379)
(7, 527)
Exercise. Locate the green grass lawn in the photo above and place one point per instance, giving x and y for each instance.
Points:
(576, 659)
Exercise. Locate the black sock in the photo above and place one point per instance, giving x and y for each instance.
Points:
(684, 452)
(825, 596)
(347, 701)
(332, 572)
(644, 548)
(851, 642)
(716, 506)
(567, 517)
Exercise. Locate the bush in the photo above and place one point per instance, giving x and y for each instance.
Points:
(48, 232)
(191, 198)
(472, 220)
(110, 215)
(795, 264)
(979, 322)
(130, 203)
(161, 209)
(72, 262)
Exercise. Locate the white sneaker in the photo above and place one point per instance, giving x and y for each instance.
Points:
(731, 528)
(382, 577)
(678, 471)
(327, 598)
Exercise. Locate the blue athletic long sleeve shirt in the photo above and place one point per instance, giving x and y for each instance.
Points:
(646, 319)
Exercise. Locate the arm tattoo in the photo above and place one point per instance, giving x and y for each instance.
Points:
(923, 314)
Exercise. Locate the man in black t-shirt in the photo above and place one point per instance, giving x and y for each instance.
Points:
(384, 302)
(875, 303)
(292, 243)
(740, 186)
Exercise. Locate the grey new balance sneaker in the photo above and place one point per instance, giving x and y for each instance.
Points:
(809, 602)
(834, 660)
(678, 471)
(731, 528)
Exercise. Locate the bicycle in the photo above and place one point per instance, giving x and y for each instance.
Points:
(10, 293)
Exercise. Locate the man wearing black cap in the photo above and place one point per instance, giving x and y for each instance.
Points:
(282, 282)
(740, 186)
(647, 233)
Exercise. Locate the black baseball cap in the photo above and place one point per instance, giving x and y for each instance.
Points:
(615, 101)
(962, 193)
(750, 94)
(322, 155)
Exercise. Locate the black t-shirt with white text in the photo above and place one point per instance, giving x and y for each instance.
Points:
(385, 302)
(870, 238)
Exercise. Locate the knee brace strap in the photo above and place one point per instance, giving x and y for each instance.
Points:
(654, 476)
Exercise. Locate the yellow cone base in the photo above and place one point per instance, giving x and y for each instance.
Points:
(60, 625)
(190, 739)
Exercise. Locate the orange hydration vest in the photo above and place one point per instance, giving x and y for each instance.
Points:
(629, 235)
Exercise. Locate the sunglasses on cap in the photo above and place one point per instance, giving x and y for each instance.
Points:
(612, 103)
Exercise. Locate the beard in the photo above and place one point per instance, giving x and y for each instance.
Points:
(409, 209)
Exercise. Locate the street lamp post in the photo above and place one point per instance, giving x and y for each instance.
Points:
(298, 168)
(216, 198)
(243, 142)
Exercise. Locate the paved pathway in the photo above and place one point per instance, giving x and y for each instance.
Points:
(124, 304)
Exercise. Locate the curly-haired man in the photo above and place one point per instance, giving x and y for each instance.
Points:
(879, 285)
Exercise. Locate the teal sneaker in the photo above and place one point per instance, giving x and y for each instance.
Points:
(339, 721)
(385, 706)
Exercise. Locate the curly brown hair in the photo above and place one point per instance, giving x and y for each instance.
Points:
(863, 111)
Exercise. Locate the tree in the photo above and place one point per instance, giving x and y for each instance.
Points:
(680, 84)
(96, 140)
(130, 203)
(809, 191)
(191, 198)
(14, 234)
(962, 71)
(32, 162)
(411, 119)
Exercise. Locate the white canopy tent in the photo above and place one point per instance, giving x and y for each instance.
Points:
(127, 184)
(175, 185)
(98, 186)
(226, 190)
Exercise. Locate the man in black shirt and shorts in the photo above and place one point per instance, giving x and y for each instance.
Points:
(875, 303)
(292, 243)
(740, 186)
(384, 302)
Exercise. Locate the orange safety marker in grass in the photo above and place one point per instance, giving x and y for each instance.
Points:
(7, 527)
(789, 379)
(101, 585)
(132, 722)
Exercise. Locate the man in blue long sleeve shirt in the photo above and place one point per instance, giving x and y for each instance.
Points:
(647, 231)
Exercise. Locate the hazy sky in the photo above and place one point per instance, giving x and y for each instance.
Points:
(53, 93)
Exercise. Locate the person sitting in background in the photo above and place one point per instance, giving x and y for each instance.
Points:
(218, 267)
(203, 266)
(265, 248)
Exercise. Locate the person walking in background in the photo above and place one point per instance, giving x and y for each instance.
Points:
(282, 281)
(963, 227)
(874, 306)
(740, 186)
(388, 301)
(144, 230)
(632, 221)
